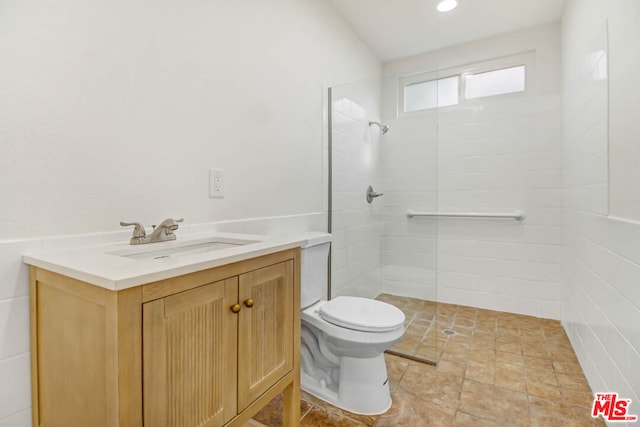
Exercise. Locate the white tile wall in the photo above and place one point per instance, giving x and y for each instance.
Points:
(15, 398)
(601, 255)
(511, 161)
(15, 389)
(496, 156)
(15, 386)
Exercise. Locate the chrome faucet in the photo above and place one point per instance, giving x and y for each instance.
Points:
(161, 233)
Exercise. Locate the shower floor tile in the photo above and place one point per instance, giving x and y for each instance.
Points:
(498, 369)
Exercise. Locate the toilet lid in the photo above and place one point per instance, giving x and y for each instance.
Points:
(362, 314)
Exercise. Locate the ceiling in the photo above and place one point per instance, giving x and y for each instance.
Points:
(399, 28)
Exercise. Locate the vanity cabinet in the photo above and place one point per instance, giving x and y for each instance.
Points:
(209, 352)
(209, 348)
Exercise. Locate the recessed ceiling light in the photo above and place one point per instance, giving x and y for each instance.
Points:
(447, 5)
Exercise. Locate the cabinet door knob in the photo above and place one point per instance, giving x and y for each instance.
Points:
(235, 308)
(249, 302)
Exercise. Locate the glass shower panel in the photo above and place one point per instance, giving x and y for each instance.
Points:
(408, 178)
(377, 250)
(354, 161)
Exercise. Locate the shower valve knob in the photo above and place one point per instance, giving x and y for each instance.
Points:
(372, 194)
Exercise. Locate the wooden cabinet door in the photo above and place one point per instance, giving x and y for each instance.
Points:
(265, 331)
(190, 356)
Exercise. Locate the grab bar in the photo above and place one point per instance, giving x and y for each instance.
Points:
(517, 215)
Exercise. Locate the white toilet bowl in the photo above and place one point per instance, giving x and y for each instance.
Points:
(342, 361)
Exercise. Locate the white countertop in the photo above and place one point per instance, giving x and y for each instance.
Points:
(115, 267)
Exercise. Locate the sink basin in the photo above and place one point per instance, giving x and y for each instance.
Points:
(179, 249)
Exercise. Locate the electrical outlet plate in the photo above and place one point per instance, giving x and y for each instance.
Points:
(216, 183)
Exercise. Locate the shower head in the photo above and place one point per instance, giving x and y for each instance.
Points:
(383, 128)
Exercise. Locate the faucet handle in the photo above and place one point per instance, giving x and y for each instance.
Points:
(138, 231)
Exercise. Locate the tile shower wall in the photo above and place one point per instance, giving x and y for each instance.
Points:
(501, 156)
(355, 251)
(15, 386)
(601, 261)
(409, 173)
(497, 154)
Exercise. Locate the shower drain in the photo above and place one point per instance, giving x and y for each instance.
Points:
(449, 332)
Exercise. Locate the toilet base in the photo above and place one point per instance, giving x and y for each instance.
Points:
(363, 387)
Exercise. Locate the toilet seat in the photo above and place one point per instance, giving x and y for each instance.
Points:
(362, 314)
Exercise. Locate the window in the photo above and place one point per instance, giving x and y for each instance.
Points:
(496, 82)
(431, 94)
(461, 85)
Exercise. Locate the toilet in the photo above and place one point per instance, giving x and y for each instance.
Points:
(343, 340)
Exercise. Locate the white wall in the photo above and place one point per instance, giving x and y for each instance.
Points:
(116, 110)
(497, 154)
(601, 261)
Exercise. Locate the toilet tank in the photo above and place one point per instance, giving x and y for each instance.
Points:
(314, 268)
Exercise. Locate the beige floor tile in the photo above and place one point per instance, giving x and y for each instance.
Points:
(489, 402)
(409, 343)
(483, 372)
(562, 353)
(580, 398)
(510, 358)
(543, 391)
(396, 367)
(507, 334)
(409, 410)
(392, 299)
(415, 328)
(538, 363)
(464, 322)
(317, 403)
(321, 417)
(452, 368)
(531, 341)
(462, 347)
(271, 415)
(510, 347)
(452, 356)
(428, 352)
(540, 376)
(481, 344)
(511, 377)
(488, 326)
(483, 355)
(467, 420)
(535, 351)
(544, 413)
(567, 368)
(573, 382)
(430, 385)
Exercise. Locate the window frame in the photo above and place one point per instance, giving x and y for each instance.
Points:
(526, 59)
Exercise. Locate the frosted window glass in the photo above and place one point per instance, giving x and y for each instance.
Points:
(448, 91)
(420, 96)
(431, 94)
(498, 82)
